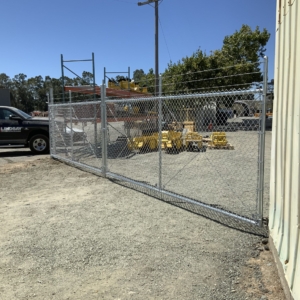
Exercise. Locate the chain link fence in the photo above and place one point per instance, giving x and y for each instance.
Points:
(75, 132)
(201, 149)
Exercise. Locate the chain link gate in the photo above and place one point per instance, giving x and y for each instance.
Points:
(75, 133)
(202, 149)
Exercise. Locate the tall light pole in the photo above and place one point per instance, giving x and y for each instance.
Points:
(156, 42)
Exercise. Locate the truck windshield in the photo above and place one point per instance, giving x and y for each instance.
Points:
(23, 114)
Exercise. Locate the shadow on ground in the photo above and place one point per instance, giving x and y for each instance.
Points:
(13, 153)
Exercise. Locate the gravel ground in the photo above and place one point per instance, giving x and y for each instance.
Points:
(68, 234)
(223, 178)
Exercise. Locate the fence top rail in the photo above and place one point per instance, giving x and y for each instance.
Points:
(67, 104)
(169, 97)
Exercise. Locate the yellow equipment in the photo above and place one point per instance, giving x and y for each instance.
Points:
(175, 126)
(136, 143)
(113, 85)
(218, 140)
(147, 142)
(136, 109)
(189, 124)
(193, 141)
(171, 140)
(152, 141)
(125, 85)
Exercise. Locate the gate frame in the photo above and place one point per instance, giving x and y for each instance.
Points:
(158, 191)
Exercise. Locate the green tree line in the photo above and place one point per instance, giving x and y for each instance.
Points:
(29, 94)
(241, 53)
(236, 65)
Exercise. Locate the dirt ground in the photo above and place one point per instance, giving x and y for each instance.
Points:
(225, 179)
(68, 234)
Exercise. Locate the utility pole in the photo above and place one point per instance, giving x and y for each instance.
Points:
(156, 42)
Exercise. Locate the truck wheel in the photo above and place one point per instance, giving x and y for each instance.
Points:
(39, 144)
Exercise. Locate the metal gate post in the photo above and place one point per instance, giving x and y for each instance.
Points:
(260, 207)
(95, 108)
(71, 126)
(51, 117)
(160, 134)
(103, 129)
(95, 131)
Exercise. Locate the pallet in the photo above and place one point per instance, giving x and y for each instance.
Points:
(206, 140)
(227, 147)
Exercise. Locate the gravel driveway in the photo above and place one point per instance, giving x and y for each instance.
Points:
(68, 234)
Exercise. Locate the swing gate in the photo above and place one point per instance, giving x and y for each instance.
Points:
(203, 150)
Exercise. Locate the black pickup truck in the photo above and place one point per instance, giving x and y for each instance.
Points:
(19, 128)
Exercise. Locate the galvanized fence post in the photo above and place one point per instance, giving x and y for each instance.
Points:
(160, 133)
(71, 126)
(95, 130)
(260, 207)
(103, 130)
(52, 121)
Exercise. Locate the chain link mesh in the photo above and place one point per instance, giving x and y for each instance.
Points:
(133, 139)
(75, 132)
(198, 147)
(208, 146)
(217, 161)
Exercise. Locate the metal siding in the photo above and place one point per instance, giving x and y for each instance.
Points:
(285, 156)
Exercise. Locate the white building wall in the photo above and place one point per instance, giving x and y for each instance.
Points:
(285, 157)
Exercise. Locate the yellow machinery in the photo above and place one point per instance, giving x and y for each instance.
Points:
(171, 140)
(136, 109)
(125, 85)
(190, 141)
(189, 124)
(175, 126)
(218, 140)
(147, 142)
(193, 141)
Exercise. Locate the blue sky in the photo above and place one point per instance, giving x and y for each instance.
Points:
(120, 33)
